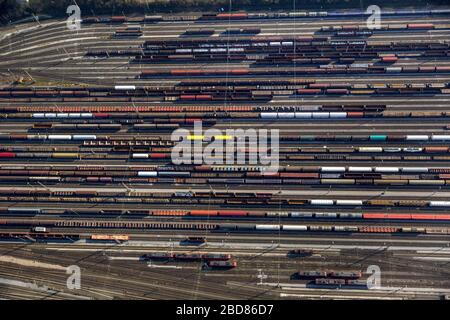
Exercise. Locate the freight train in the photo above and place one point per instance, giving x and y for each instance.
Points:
(187, 256)
(220, 227)
(191, 174)
(199, 94)
(272, 72)
(238, 16)
(17, 210)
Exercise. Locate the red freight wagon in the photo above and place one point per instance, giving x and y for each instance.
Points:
(159, 155)
(101, 115)
(234, 213)
(427, 69)
(7, 154)
(423, 216)
(375, 215)
(203, 213)
(239, 71)
(443, 69)
(355, 114)
(420, 26)
(299, 175)
(442, 217)
(436, 149)
(192, 120)
(187, 97)
(118, 19)
(398, 216)
(203, 97)
(389, 59)
(231, 15)
(386, 216)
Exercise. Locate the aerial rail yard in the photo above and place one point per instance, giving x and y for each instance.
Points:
(87, 175)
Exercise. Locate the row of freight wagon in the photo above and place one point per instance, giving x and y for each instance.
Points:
(16, 210)
(265, 116)
(363, 27)
(151, 73)
(213, 102)
(116, 150)
(42, 233)
(187, 111)
(255, 97)
(339, 31)
(153, 158)
(315, 274)
(161, 148)
(352, 172)
(226, 227)
(286, 59)
(268, 94)
(211, 260)
(156, 120)
(259, 15)
(239, 214)
(309, 14)
(292, 201)
(158, 124)
(330, 60)
(197, 256)
(284, 171)
(161, 121)
(123, 154)
(129, 31)
(288, 49)
(334, 278)
(351, 114)
(204, 172)
(201, 87)
(400, 181)
(300, 45)
(340, 282)
(173, 113)
(228, 32)
(332, 52)
(37, 236)
(298, 138)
